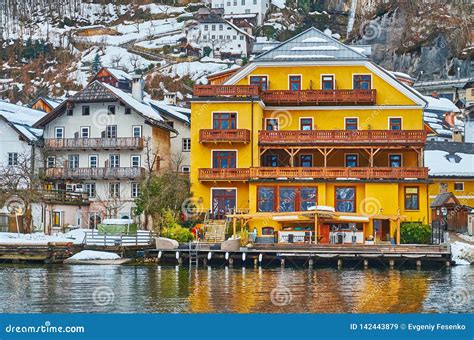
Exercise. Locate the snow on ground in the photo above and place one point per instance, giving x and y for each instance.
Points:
(75, 236)
(160, 42)
(195, 69)
(94, 255)
(466, 237)
(462, 253)
(162, 9)
(279, 3)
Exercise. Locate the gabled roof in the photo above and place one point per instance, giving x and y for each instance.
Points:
(21, 119)
(100, 92)
(52, 103)
(118, 74)
(311, 44)
(170, 111)
(444, 198)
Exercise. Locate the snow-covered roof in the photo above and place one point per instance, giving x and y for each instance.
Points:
(118, 74)
(311, 44)
(450, 159)
(22, 118)
(440, 104)
(180, 113)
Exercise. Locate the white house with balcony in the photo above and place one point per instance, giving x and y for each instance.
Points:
(237, 8)
(103, 141)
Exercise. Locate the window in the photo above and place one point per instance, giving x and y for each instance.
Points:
(268, 231)
(111, 131)
(59, 132)
(270, 160)
(362, 82)
(69, 112)
(114, 190)
(295, 83)
(86, 111)
(185, 168)
(206, 27)
(170, 124)
(137, 131)
(327, 82)
(73, 161)
(351, 123)
(221, 27)
(114, 161)
(13, 158)
(395, 123)
(135, 161)
(459, 186)
(213, 27)
(306, 161)
(128, 110)
(111, 109)
(306, 124)
(186, 144)
(287, 198)
(395, 161)
(93, 161)
(266, 199)
(224, 159)
(308, 199)
(224, 120)
(90, 189)
(261, 81)
(271, 124)
(51, 162)
(85, 132)
(411, 198)
(345, 199)
(254, 2)
(352, 160)
(135, 190)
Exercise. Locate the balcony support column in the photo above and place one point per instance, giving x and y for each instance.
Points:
(372, 152)
(325, 152)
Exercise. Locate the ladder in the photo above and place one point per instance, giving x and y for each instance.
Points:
(193, 254)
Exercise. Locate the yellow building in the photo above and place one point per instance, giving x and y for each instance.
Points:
(311, 124)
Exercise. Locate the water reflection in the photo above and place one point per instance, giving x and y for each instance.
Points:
(155, 289)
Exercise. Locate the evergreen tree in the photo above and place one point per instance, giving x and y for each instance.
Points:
(96, 65)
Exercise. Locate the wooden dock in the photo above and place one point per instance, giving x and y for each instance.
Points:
(308, 255)
(45, 253)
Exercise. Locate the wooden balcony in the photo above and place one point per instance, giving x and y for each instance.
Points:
(64, 197)
(342, 137)
(230, 136)
(339, 173)
(319, 97)
(128, 143)
(240, 174)
(94, 173)
(226, 90)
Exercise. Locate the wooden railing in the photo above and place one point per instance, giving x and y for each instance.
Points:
(319, 97)
(94, 173)
(129, 143)
(226, 90)
(243, 174)
(335, 137)
(235, 135)
(64, 197)
(342, 172)
(232, 174)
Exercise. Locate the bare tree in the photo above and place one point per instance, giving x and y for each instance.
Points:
(116, 59)
(135, 61)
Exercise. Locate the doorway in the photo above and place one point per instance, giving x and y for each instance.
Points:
(223, 202)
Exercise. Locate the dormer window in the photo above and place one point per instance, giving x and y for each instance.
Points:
(111, 109)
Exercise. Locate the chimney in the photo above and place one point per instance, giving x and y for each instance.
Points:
(449, 118)
(170, 98)
(457, 135)
(137, 88)
(469, 128)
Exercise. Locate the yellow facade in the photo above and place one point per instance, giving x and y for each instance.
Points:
(462, 188)
(372, 196)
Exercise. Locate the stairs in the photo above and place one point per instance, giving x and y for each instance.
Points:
(214, 231)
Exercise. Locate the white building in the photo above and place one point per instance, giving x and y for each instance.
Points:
(19, 145)
(179, 119)
(257, 7)
(221, 36)
(103, 141)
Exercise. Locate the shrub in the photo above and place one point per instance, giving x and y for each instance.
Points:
(178, 233)
(415, 233)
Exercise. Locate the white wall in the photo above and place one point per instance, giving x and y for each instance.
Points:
(260, 7)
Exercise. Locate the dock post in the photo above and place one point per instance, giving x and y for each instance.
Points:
(339, 264)
(366, 264)
(391, 263)
(231, 261)
(448, 264)
(418, 264)
(255, 262)
(204, 261)
(282, 262)
(310, 263)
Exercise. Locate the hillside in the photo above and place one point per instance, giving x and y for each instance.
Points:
(52, 47)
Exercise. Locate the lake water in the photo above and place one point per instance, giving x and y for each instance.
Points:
(161, 289)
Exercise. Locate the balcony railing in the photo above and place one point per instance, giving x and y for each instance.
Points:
(64, 197)
(319, 97)
(289, 97)
(226, 90)
(224, 174)
(340, 173)
(336, 137)
(214, 136)
(124, 143)
(94, 173)
(243, 174)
